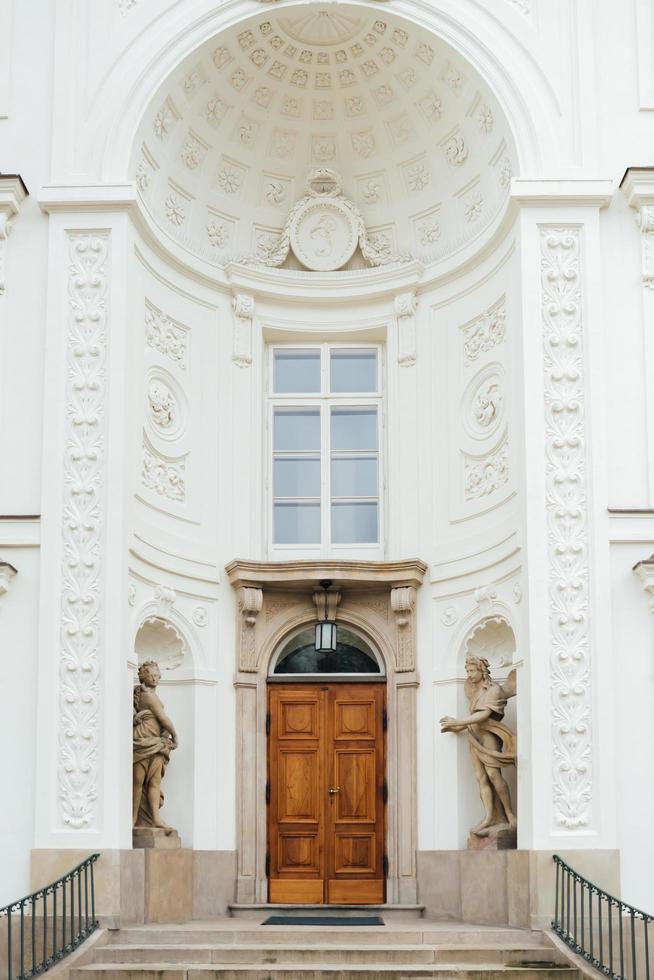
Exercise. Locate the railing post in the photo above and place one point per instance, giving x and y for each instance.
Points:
(9, 950)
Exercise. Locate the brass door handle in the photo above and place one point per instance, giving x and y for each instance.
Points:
(334, 789)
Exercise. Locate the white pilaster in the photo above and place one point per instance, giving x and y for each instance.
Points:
(84, 686)
(568, 753)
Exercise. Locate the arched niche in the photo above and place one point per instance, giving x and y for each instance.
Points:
(491, 638)
(159, 638)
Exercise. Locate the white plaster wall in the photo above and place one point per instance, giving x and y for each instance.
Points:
(18, 641)
(593, 124)
(633, 657)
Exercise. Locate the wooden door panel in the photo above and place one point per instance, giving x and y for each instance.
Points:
(355, 775)
(326, 847)
(298, 852)
(298, 719)
(355, 853)
(354, 720)
(298, 789)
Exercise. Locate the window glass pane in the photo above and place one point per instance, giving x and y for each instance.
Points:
(354, 477)
(352, 656)
(297, 523)
(296, 371)
(297, 477)
(354, 428)
(297, 430)
(353, 370)
(354, 523)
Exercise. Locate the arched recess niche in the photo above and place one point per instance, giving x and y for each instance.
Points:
(491, 636)
(406, 115)
(161, 639)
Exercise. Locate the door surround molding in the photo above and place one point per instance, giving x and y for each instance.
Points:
(378, 600)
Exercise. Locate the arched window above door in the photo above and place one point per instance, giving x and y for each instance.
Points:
(353, 656)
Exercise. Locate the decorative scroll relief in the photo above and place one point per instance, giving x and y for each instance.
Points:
(406, 305)
(165, 477)
(567, 526)
(243, 306)
(483, 477)
(485, 333)
(82, 526)
(166, 336)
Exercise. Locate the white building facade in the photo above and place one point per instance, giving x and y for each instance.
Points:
(436, 397)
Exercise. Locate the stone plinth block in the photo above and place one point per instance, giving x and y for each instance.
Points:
(504, 839)
(168, 885)
(155, 837)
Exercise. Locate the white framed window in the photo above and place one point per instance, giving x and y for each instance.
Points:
(325, 448)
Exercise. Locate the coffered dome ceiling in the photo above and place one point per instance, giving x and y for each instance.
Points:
(421, 144)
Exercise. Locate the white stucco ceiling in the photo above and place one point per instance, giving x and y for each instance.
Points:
(420, 142)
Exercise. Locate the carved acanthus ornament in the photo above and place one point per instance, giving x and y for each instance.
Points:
(406, 305)
(250, 604)
(323, 229)
(243, 306)
(82, 529)
(12, 194)
(567, 526)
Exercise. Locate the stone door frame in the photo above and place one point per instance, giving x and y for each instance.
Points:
(378, 600)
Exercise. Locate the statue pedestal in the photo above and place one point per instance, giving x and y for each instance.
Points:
(498, 839)
(155, 837)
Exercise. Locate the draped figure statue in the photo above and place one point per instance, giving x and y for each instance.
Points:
(492, 744)
(154, 738)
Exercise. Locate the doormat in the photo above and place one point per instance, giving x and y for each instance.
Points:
(324, 920)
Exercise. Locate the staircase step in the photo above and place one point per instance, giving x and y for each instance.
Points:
(320, 971)
(300, 952)
(445, 935)
(258, 911)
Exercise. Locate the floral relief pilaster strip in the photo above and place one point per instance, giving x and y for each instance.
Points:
(82, 528)
(567, 526)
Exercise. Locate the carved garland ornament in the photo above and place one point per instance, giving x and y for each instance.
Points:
(323, 230)
(567, 525)
(79, 689)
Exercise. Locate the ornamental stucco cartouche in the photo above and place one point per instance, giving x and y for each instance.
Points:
(567, 525)
(82, 526)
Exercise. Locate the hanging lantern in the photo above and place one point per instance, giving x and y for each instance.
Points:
(326, 639)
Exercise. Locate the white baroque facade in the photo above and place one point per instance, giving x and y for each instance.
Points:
(461, 193)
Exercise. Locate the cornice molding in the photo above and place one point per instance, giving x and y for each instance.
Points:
(566, 192)
(350, 574)
(71, 198)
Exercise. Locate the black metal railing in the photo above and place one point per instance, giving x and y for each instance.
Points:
(41, 929)
(612, 935)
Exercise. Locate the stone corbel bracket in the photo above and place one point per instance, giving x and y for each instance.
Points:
(645, 572)
(638, 185)
(326, 604)
(406, 305)
(243, 306)
(7, 574)
(403, 604)
(250, 604)
(12, 194)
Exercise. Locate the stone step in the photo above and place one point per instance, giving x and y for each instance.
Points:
(321, 971)
(445, 935)
(258, 911)
(263, 952)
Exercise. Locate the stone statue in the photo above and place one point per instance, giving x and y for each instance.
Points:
(154, 738)
(492, 746)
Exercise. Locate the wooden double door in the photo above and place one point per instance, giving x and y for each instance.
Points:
(326, 793)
